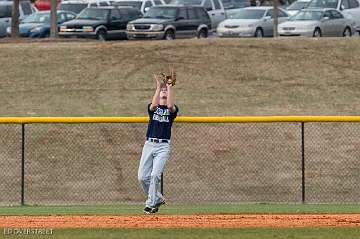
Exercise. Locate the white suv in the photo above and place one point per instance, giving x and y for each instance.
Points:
(25, 9)
(141, 5)
(214, 8)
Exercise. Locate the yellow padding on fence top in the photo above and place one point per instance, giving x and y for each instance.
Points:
(183, 119)
(31, 120)
(246, 119)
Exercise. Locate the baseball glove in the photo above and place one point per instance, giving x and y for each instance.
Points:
(169, 79)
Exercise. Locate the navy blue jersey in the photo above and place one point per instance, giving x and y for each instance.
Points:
(160, 122)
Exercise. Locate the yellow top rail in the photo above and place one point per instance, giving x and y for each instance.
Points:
(183, 119)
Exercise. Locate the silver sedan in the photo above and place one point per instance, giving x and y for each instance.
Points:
(317, 23)
(249, 22)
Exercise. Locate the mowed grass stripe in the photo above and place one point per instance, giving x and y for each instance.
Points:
(181, 209)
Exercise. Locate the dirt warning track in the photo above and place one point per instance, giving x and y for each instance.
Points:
(183, 221)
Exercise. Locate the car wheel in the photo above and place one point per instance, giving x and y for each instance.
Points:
(347, 32)
(203, 33)
(169, 35)
(259, 33)
(101, 35)
(317, 32)
(47, 34)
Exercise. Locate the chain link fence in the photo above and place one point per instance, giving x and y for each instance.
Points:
(332, 162)
(235, 163)
(10, 161)
(96, 163)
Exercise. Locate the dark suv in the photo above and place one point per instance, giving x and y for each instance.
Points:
(170, 22)
(101, 22)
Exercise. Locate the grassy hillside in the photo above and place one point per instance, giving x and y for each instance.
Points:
(215, 77)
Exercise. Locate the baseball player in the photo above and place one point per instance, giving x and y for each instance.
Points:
(156, 151)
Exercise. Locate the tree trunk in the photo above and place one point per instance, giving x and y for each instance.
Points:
(53, 16)
(276, 17)
(15, 19)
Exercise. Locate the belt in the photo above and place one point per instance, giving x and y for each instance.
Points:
(158, 140)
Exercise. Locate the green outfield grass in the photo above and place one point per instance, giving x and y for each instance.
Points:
(181, 209)
(298, 233)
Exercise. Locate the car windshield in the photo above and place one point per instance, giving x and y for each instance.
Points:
(186, 2)
(134, 4)
(247, 14)
(298, 5)
(323, 4)
(37, 18)
(94, 14)
(231, 4)
(307, 16)
(5, 11)
(161, 12)
(73, 7)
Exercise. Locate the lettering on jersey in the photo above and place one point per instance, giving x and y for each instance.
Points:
(161, 115)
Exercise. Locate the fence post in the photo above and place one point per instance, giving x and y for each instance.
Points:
(302, 162)
(22, 164)
(162, 184)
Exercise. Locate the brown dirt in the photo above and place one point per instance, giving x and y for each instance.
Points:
(183, 221)
(43, 40)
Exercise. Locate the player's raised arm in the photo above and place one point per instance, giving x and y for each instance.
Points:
(170, 98)
(170, 91)
(156, 98)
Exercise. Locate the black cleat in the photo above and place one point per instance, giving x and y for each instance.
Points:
(150, 210)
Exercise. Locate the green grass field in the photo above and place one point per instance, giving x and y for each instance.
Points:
(181, 209)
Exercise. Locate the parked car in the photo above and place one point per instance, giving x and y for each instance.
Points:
(317, 23)
(349, 8)
(170, 22)
(25, 9)
(250, 22)
(101, 22)
(77, 6)
(44, 5)
(214, 8)
(296, 6)
(38, 24)
(142, 5)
